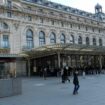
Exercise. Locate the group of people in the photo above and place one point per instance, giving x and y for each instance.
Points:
(64, 75)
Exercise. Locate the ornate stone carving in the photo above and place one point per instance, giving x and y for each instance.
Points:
(16, 25)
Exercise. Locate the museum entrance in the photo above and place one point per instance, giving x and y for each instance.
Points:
(89, 63)
(54, 57)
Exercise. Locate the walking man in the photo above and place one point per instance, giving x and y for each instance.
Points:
(75, 82)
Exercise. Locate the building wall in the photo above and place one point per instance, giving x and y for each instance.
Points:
(26, 15)
(18, 24)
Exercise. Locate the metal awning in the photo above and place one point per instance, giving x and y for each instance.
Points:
(63, 48)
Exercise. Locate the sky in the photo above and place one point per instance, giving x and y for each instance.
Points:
(86, 5)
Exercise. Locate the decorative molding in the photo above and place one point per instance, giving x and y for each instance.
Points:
(16, 25)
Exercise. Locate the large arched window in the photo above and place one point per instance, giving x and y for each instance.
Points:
(94, 41)
(72, 39)
(41, 38)
(52, 38)
(79, 40)
(5, 26)
(100, 42)
(87, 41)
(29, 38)
(62, 39)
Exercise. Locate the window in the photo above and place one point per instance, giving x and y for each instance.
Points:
(29, 38)
(29, 18)
(5, 41)
(52, 22)
(87, 41)
(62, 39)
(41, 38)
(52, 38)
(99, 31)
(77, 19)
(93, 29)
(86, 28)
(62, 24)
(78, 26)
(40, 10)
(80, 40)
(71, 25)
(51, 13)
(9, 4)
(72, 39)
(29, 8)
(9, 14)
(41, 20)
(100, 42)
(94, 41)
(5, 26)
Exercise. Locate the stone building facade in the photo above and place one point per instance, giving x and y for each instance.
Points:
(26, 25)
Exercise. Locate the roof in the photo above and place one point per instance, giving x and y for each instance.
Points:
(61, 7)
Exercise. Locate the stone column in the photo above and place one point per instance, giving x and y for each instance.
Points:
(29, 71)
(59, 59)
(100, 62)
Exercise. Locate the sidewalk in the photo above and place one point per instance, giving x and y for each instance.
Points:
(37, 91)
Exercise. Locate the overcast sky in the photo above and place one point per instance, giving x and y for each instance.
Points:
(86, 5)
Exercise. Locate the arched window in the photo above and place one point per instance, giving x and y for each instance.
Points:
(52, 38)
(5, 26)
(29, 38)
(87, 41)
(100, 42)
(62, 39)
(94, 41)
(80, 40)
(41, 38)
(72, 39)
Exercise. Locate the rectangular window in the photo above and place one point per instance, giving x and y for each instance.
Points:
(41, 20)
(79, 27)
(70, 25)
(93, 29)
(86, 28)
(5, 41)
(52, 22)
(29, 18)
(29, 8)
(9, 14)
(99, 31)
(9, 4)
(62, 24)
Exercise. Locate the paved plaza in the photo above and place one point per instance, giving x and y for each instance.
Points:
(37, 91)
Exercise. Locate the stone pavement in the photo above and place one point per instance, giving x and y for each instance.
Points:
(37, 91)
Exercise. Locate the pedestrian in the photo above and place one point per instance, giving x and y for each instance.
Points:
(66, 74)
(45, 73)
(75, 82)
(84, 74)
(62, 75)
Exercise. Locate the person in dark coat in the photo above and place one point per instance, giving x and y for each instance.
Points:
(62, 75)
(75, 82)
